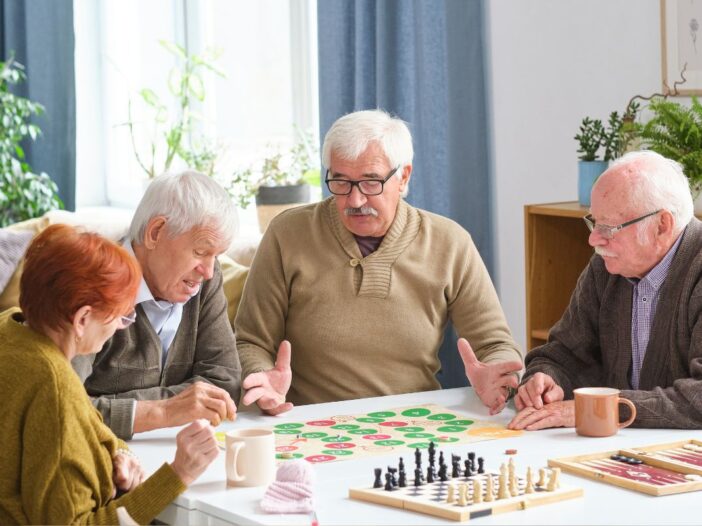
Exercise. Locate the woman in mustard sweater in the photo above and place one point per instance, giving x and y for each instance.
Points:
(59, 463)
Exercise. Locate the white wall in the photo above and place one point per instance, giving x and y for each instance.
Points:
(552, 63)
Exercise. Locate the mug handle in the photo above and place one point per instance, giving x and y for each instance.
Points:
(632, 408)
(234, 450)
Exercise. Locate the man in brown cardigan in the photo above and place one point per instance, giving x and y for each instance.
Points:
(635, 318)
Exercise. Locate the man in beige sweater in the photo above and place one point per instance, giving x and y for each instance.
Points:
(354, 293)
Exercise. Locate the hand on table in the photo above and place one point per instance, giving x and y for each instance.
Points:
(491, 381)
(539, 390)
(268, 388)
(127, 472)
(555, 414)
(196, 449)
(199, 400)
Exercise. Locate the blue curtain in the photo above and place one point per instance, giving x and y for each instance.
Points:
(424, 62)
(40, 33)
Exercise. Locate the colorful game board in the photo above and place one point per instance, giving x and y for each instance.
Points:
(347, 437)
(660, 469)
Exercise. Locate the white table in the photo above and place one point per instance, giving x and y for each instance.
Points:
(209, 501)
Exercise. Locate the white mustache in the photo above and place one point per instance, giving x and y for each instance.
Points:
(602, 252)
(362, 211)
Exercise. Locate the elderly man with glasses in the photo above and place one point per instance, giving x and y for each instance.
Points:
(635, 318)
(349, 298)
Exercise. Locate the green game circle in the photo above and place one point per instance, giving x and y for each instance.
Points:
(441, 416)
(318, 434)
(419, 435)
(289, 426)
(409, 429)
(417, 411)
(389, 442)
(287, 431)
(337, 452)
(382, 414)
(345, 426)
(370, 420)
(462, 422)
(419, 445)
(280, 456)
(452, 429)
(365, 431)
(446, 439)
(336, 439)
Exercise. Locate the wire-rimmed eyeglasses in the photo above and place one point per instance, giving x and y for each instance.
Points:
(607, 231)
(365, 186)
(126, 320)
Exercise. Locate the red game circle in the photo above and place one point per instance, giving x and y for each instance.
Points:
(393, 424)
(376, 437)
(321, 423)
(286, 448)
(341, 445)
(316, 459)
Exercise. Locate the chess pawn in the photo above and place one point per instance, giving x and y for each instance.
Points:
(511, 467)
(513, 486)
(553, 482)
(529, 481)
(489, 489)
(462, 489)
(451, 494)
(503, 490)
(542, 478)
(477, 491)
(378, 480)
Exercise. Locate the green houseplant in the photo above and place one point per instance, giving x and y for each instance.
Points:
(23, 193)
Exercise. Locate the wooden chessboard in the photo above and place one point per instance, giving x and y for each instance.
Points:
(665, 469)
(430, 498)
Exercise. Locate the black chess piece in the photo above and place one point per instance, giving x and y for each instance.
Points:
(417, 457)
(432, 452)
(441, 458)
(467, 473)
(403, 479)
(417, 477)
(455, 463)
(481, 468)
(388, 482)
(401, 465)
(471, 458)
(393, 478)
(430, 475)
(378, 481)
(443, 476)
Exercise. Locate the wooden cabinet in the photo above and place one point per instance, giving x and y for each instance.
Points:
(557, 251)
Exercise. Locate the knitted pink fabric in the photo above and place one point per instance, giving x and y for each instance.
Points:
(292, 490)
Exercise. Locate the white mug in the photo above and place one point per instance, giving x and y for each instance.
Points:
(250, 458)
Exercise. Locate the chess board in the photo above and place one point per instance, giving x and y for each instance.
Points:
(659, 469)
(430, 498)
(346, 437)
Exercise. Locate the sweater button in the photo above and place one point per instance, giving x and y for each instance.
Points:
(354, 262)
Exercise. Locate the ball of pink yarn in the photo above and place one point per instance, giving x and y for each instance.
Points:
(299, 471)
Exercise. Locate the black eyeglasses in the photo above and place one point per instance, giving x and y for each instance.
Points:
(365, 186)
(607, 231)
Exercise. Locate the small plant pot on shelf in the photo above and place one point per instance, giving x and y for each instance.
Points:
(272, 200)
(588, 172)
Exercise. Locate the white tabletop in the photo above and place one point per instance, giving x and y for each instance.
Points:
(209, 501)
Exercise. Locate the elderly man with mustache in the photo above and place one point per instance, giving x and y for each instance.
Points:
(349, 298)
(635, 318)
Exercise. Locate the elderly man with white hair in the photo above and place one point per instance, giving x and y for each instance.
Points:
(178, 361)
(349, 298)
(634, 321)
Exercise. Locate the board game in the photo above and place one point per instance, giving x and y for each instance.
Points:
(659, 469)
(467, 491)
(345, 437)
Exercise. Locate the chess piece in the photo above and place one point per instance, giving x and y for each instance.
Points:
(529, 481)
(542, 478)
(430, 475)
(481, 466)
(513, 488)
(503, 490)
(455, 463)
(401, 465)
(443, 475)
(553, 482)
(378, 481)
(450, 495)
(489, 489)
(393, 478)
(388, 482)
(462, 489)
(477, 491)
(403, 479)
(467, 473)
(417, 477)
(441, 458)
(417, 458)
(471, 458)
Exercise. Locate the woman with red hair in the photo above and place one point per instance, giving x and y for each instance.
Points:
(60, 463)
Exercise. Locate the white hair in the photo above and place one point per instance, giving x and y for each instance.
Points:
(661, 185)
(187, 200)
(351, 134)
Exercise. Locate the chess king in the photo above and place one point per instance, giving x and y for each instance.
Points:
(363, 284)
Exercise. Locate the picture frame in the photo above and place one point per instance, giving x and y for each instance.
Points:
(681, 46)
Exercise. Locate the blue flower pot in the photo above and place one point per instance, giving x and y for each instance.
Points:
(588, 172)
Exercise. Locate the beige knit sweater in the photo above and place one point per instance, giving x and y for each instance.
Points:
(370, 326)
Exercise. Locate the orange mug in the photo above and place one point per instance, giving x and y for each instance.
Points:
(597, 411)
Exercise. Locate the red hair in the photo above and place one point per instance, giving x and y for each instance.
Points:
(66, 269)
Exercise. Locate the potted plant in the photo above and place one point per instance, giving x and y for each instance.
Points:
(23, 193)
(282, 179)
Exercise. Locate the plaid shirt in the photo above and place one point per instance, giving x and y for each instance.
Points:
(643, 310)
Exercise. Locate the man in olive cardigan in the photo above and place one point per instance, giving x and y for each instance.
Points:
(354, 293)
(178, 362)
(635, 318)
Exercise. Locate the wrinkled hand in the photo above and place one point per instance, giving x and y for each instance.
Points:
(489, 380)
(127, 472)
(197, 448)
(538, 391)
(268, 388)
(199, 400)
(555, 414)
